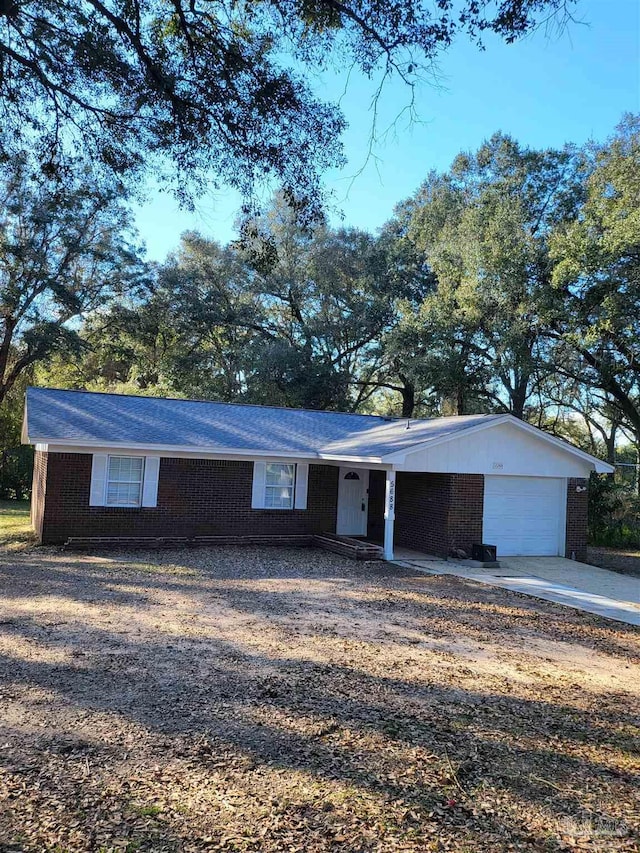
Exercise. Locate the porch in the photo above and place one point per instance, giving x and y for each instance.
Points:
(424, 512)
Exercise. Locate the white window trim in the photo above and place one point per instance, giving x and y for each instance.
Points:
(292, 487)
(300, 485)
(107, 481)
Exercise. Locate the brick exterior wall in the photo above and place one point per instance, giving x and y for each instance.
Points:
(434, 512)
(422, 506)
(466, 506)
(577, 517)
(438, 512)
(196, 497)
(38, 491)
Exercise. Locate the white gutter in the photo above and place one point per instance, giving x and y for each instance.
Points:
(70, 445)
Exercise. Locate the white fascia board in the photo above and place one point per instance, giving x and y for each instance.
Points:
(70, 446)
(361, 460)
(599, 466)
(166, 449)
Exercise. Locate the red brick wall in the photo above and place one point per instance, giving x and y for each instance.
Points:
(196, 497)
(434, 512)
(466, 504)
(422, 507)
(38, 491)
(577, 516)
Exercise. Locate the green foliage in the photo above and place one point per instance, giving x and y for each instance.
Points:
(484, 228)
(195, 88)
(614, 513)
(65, 250)
(220, 325)
(16, 471)
(594, 305)
(16, 460)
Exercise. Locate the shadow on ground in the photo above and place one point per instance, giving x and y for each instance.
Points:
(266, 700)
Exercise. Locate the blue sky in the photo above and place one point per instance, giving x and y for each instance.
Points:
(545, 91)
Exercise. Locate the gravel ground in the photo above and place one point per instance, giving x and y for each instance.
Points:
(617, 559)
(290, 700)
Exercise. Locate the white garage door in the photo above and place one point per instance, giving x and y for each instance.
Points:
(524, 515)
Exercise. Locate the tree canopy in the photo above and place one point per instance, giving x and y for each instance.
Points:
(507, 283)
(65, 250)
(484, 228)
(596, 277)
(208, 90)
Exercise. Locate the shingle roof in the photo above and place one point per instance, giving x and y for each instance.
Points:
(85, 417)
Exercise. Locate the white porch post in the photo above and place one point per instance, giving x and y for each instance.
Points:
(389, 513)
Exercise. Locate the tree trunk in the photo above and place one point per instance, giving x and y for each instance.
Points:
(518, 399)
(408, 393)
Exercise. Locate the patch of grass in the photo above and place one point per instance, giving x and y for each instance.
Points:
(15, 525)
(147, 811)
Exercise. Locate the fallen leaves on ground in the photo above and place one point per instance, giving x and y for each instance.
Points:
(289, 700)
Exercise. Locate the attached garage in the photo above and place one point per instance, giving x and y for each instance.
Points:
(502, 482)
(525, 516)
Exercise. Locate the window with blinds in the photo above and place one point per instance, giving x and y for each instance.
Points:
(124, 480)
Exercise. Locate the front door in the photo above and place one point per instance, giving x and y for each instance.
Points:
(352, 502)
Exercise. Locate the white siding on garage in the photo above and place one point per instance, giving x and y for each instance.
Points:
(503, 449)
(524, 516)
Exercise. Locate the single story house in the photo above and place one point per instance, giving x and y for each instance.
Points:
(109, 465)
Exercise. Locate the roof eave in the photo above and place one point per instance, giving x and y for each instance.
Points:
(203, 449)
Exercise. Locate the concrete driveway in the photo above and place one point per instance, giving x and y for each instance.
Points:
(556, 579)
(576, 584)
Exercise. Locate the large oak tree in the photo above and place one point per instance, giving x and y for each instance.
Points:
(218, 89)
(594, 318)
(484, 228)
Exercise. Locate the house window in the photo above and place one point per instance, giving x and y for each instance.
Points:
(279, 486)
(124, 480)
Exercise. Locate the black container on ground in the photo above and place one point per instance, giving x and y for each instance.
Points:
(484, 553)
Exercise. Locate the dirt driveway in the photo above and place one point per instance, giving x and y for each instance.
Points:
(289, 700)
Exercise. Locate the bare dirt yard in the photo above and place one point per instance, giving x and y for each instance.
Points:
(624, 561)
(290, 700)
